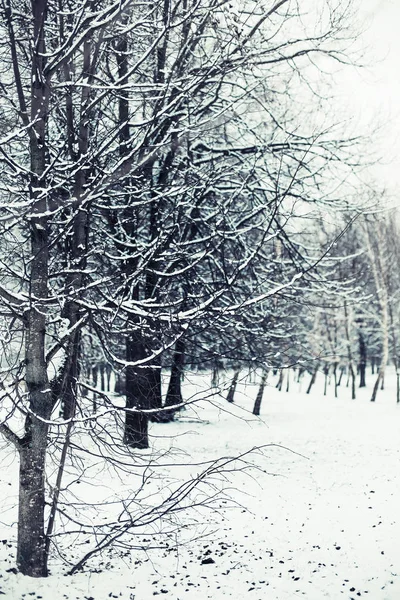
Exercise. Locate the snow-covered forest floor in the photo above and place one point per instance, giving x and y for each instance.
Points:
(318, 516)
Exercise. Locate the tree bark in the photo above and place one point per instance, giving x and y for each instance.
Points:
(31, 555)
(232, 388)
(31, 549)
(313, 378)
(260, 393)
(174, 392)
(138, 394)
(363, 358)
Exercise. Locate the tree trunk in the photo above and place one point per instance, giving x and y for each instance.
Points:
(31, 555)
(353, 382)
(280, 380)
(376, 386)
(174, 392)
(335, 379)
(326, 373)
(232, 388)
(138, 393)
(31, 551)
(260, 393)
(313, 378)
(108, 376)
(342, 372)
(363, 358)
(102, 377)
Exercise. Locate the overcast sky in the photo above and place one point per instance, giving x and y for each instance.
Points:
(373, 93)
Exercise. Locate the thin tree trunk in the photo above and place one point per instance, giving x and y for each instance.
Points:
(376, 387)
(326, 372)
(102, 377)
(232, 388)
(351, 374)
(335, 378)
(260, 393)
(363, 358)
(313, 378)
(108, 376)
(280, 380)
(174, 392)
(342, 370)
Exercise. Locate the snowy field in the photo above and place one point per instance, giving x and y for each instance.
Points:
(318, 516)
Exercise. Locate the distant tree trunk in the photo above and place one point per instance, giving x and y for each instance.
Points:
(395, 357)
(313, 378)
(260, 393)
(216, 366)
(155, 400)
(335, 378)
(288, 380)
(373, 362)
(280, 380)
(137, 394)
(326, 373)
(351, 373)
(174, 392)
(342, 371)
(362, 365)
(102, 377)
(119, 387)
(108, 376)
(232, 388)
(353, 381)
(95, 375)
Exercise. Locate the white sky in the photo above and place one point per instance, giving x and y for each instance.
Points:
(372, 94)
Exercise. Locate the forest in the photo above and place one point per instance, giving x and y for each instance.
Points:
(178, 197)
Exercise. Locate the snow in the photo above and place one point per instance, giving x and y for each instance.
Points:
(318, 517)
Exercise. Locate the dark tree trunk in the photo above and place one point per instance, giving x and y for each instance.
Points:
(108, 377)
(362, 365)
(397, 388)
(352, 377)
(373, 363)
(155, 400)
(288, 380)
(102, 377)
(174, 392)
(31, 555)
(280, 380)
(375, 389)
(326, 373)
(138, 394)
(31, 551)
(313, 378)
(95, 375)
(260, 393)
(335, 379)
(119, 387)
(232, 388)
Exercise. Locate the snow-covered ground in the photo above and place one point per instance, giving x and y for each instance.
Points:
(318, 518)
